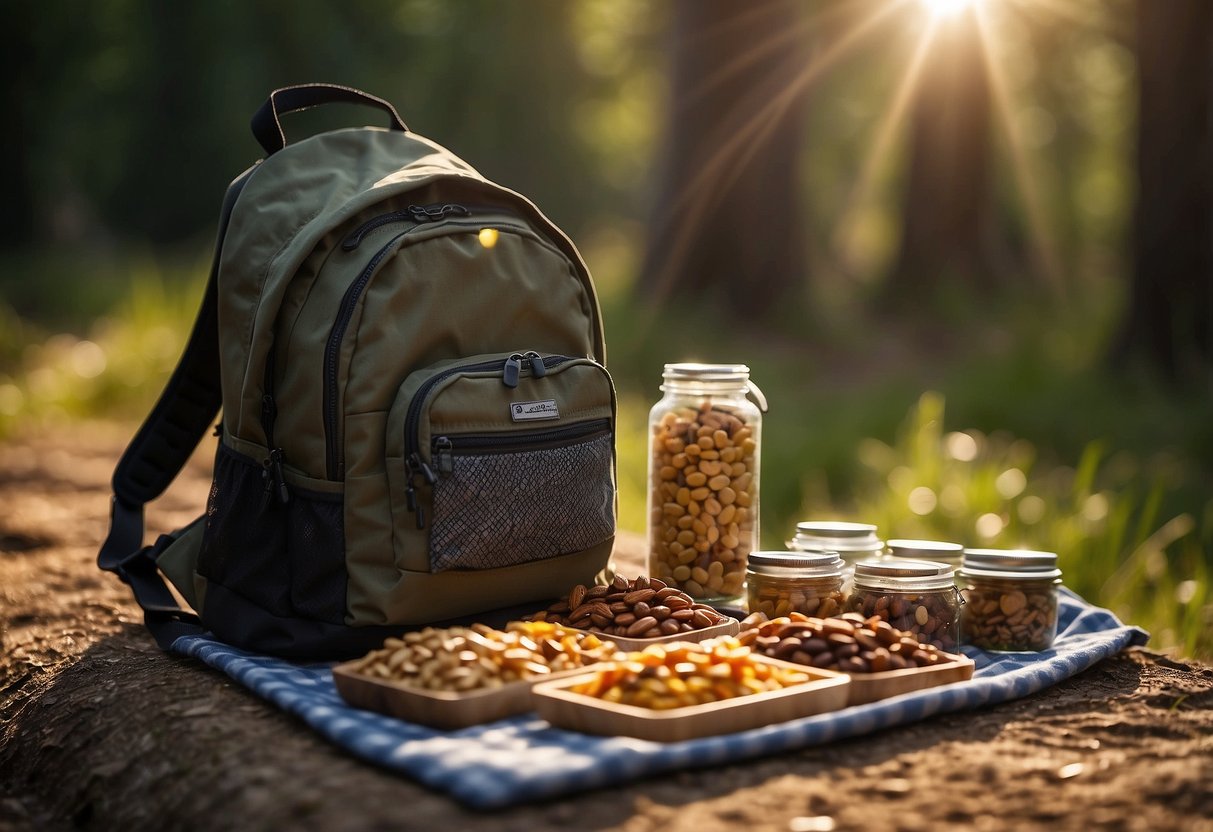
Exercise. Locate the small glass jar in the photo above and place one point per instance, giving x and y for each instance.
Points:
(704, 441)
(916, 596)
(933, 550)
(1010, 599)
(854, 542)
(779, 583)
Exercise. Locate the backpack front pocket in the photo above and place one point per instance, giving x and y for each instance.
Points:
(504, 499)
(503, 460)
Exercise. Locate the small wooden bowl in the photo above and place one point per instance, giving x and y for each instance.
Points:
(437, 709)
(871, 687)
(555, 702)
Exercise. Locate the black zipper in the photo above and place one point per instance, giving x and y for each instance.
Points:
(349, 301)
(510, 369)
(448, 447)
(414, 213)
(271, 473)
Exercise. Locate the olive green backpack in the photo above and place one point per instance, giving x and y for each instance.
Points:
(416, 421)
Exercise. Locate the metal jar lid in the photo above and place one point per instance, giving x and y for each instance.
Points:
(903, 574)
(692, 373)
(797, 564)
(1010, 563)
(926, 550)
(836, 536)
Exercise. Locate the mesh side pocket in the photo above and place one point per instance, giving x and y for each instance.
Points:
(316, 542)
(506, 509)
(244, 541)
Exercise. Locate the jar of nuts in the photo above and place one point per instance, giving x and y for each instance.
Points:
(704, 438)
(917, 596)
(780, 583)
(938, 551)
(1010, 599)
(852, 541)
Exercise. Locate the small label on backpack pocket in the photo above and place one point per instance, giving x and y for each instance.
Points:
(534, 411)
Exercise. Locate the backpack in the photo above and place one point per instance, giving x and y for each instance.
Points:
(417, 425)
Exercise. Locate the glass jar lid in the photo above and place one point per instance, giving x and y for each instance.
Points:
(1010, 563)
(799, 564)
(926, 550)
(835, 536)
(717, 376)
(903, 575)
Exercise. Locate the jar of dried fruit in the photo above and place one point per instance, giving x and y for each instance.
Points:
(914, 595)
(704, 441)
(778, 583)
(1010, 599)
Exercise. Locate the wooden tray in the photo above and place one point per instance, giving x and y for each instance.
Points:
(825, 691)
(728, 627)
(437, 709)
(870, 687)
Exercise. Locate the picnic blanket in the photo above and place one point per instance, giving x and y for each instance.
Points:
(523, 759)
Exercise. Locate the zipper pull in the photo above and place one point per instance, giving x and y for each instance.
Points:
(513, 365)
(275, 463)
(538, 368)
(443, 457)
(414, 466)
(434, 213)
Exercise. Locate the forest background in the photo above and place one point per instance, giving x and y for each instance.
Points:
(966, 248)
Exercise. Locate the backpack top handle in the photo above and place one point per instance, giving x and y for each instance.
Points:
(267, 126)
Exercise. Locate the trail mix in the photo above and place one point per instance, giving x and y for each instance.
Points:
(475, 657)
(849, 643)
(678, 675)
(640, 608)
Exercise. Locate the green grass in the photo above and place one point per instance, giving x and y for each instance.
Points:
(1003, 432)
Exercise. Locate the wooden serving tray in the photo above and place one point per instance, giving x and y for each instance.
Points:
(728, 627)
(825, 691)
(437, 709)
(870, 687)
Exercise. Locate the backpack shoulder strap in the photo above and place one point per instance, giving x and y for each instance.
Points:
(166, 440)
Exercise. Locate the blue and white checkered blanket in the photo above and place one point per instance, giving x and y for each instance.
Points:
(524, 759)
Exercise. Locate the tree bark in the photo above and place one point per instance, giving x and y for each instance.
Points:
(947, 221)
(727, 223)
(1167, 322)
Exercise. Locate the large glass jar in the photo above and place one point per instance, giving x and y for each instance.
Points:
(779, 583)
(916, 596)
(1010, 599)
(704, 440)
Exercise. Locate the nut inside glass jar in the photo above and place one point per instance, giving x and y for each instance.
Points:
(780, 583)
(1010, 599)
(913, 595)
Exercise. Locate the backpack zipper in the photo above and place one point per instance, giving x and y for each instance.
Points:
(446, 447)
(349, 301)
(510, 368)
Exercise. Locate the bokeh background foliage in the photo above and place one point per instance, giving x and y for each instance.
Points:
(936, 230)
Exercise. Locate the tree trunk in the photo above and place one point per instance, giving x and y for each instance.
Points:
(947, 211)
(1167, 322)
(727, 224)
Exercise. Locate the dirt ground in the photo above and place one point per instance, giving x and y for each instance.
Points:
(99, 729)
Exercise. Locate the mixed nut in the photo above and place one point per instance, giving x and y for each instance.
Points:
(679, 675)
(849, 643)
(933, 617)
(641, 608)
(479, 657)
(1001, 615)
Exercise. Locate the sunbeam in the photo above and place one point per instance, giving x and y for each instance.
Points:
(726, 162)
(1021, 165)
(886, 133)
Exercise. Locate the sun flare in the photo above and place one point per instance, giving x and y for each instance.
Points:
(946, 8)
